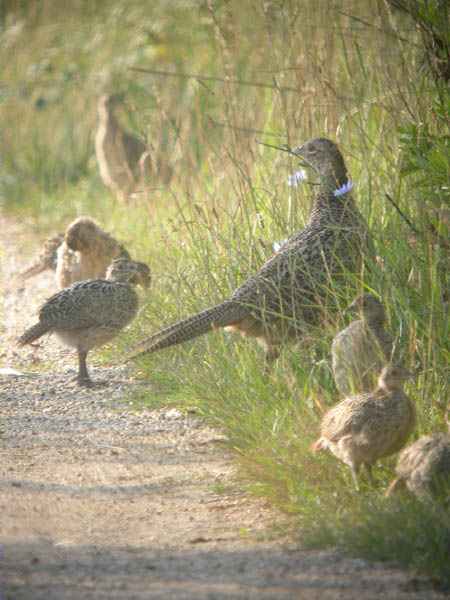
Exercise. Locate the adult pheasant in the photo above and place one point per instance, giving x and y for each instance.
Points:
(294, 287)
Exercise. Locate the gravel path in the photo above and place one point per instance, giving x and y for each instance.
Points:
(101, 502)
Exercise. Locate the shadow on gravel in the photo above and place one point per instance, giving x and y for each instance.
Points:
(84, 490)
(42, 570)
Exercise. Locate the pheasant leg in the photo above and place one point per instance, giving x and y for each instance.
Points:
(83, 378)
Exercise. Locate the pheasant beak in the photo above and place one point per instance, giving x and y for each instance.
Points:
(297, 152)
(144, 281)
(304, 162)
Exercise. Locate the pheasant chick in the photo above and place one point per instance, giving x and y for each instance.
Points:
(118, 151)
(361, 429)
(86, 252)
(360, 350)
(90, 313)
(424, 467)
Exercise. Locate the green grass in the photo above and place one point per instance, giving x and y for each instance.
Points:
(354, 78)
(414, 534)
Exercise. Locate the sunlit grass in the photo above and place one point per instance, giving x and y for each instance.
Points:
(414, 534)
(229, 201)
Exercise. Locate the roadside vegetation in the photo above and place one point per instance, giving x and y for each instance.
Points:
(205, 82)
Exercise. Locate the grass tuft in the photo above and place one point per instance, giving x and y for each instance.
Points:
(277, 73)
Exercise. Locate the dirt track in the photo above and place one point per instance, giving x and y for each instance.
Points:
(98, 501)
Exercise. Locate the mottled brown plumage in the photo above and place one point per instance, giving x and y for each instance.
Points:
(424, 467)
(361, 429)
(291, 291)
(120, 154)
(47, 258)
(86, 252)
(360, 350)
(90, 313)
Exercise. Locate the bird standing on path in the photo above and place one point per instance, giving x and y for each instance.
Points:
(86, 252)
(361, 429)
(360, 350)
(294, 286)
(120, 154)
(424, 466)
(90, 313)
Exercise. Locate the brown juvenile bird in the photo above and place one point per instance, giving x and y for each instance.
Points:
(360, 350)
(86, 252)
(118, 152)
(47, 258)
(424, 466)
(361, 429)
(293, 288)
(90, 313)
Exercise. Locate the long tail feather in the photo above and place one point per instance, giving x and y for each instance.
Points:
(218, 316)
(32, 334)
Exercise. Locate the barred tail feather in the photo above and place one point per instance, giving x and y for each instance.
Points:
(32, 334)
(33, 270)
(218, 316)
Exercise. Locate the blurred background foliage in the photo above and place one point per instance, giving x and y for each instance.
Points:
(205, 81)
